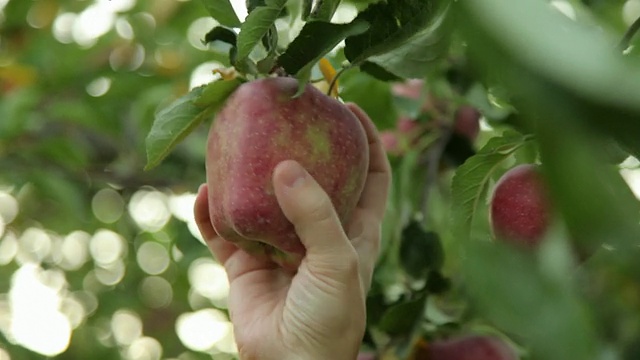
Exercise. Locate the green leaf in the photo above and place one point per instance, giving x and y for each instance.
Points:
(420, 251)
(315, 40)
(215, 93)
(580, 64)
(470, 180)
(402, 318)
(256, 26)
(222, 11)
(174, 122)
(372, 95)
(223, 34)
(414, 56)
(513, 293)
(405, 38)
(324, 10)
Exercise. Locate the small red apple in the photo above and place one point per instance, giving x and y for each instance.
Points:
(472, 347)
(411, 89)
(467, 122)
(390, 141)
(407, 125)
(520, 206)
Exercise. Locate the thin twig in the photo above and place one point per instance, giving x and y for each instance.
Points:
(335, 79)
(626, 39)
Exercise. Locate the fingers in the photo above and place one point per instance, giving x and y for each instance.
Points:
(311, 211)
(220, 248)
(365, 235)
(376, 189)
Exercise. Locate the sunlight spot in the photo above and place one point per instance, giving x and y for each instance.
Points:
(36, 322)
(198, 29)
(181, 206)
(565, 8)
(193, 229)
(110, 274)
(41, 14)
(75, 250)
(119, 5)
(156, 292)
(126, 326)
(202, 330)
(8, 248)
(127, 57)
(124, 29)
(228, 344)
(149, 210)
(107, 205)
(632, 177)
(9, 208)
(176, 254)
(99, 86)
(209, 279)
(153, 258)
(4, 355)
(106, 246)
(87, 299)
(93, 22)
(63, 27)
(145, 348)
(203, 74)
(35, 245)
(344, 14)
(240, 8)
(74, 310)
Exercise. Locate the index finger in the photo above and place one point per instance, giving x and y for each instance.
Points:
(376, 188)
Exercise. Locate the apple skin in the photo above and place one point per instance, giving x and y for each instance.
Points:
(471, 347)
(520, 206)
(467, 122)
(261, 125)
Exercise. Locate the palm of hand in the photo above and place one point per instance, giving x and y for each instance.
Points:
(320, 308)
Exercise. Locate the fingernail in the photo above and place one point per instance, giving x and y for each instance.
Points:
(294, 175)
(202, 186)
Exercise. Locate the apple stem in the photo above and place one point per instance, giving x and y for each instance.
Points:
(335, 79)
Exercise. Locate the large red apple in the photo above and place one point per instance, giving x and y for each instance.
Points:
(260, 125)
(520, 207)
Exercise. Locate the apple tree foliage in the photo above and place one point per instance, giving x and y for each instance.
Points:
(557, 83)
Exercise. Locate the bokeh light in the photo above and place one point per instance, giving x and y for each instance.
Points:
(126, 326)
(156, 292)
(209, 279)
(145, 348)
(75, 250)
(203, 74)
(8, 248)
(153, 258)
(36, 320)
(149, 210)
(203, 329)
(34, 245)
(99, 86)
(9, 208)
(106, 247)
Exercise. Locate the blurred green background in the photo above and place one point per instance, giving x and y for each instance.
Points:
(101, 260)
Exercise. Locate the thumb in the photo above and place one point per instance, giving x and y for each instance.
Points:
(310, 210)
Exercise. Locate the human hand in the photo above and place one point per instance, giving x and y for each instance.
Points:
(319, 312)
